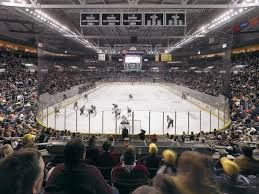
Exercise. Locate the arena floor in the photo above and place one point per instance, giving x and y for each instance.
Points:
(148, 100)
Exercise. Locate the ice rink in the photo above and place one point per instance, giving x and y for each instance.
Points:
(151, 104)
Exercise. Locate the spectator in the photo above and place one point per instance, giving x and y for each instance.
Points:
(92, 152)
(169, 166)
(22, 172)
(73, 176)
(106, 159)
(146, 190)
(246, 162)
(5, 150)
(129, 171)
(192, 137)
(152, 160)
(192, 177)
(153, 138)
(230, 180)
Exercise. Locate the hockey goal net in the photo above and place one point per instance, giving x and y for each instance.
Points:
(136, 126)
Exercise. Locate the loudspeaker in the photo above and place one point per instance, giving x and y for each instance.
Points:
(133, 39)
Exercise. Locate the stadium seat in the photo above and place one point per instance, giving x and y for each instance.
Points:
(106, 172)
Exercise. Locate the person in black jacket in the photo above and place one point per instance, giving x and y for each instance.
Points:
(74, 176)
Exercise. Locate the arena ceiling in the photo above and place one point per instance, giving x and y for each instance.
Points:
(16, 22)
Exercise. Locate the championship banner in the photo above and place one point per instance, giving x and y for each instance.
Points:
(132, 19)
(111, 19)
(154, 19)
(92, 19)
(175, 19)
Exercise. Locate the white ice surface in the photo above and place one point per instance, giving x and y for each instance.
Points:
(147, 99)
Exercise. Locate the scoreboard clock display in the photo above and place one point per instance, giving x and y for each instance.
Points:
(175, 19)
(92, 19)
(132, 19)
(111, 19)
(154, 19)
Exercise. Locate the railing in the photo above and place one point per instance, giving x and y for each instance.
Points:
(153, 122)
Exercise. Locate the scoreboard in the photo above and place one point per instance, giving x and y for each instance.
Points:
(132, 62)
(169, 19)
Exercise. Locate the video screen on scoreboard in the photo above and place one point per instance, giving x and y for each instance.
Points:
(132, 59)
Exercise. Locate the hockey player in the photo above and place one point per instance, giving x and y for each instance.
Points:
(118, 113)
(56, 110)
(115, 107)
(130, 97)
(170, 122)
(124, 126)
(76, 105)
(129, 111)
(93, 109)
(86, 97)
(89, 112)
(82, 110)
(64, 97)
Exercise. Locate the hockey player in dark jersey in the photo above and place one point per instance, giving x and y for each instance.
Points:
(170, 122)
(129, 111)
(130, 97)
(114, 108)
(93, 109)
(118, 113)
(86, 97)
(82, 110)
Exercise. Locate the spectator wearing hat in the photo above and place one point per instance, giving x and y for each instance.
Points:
(28, 142)
(169, 166)
(191, 178)
(152, 160)
(230, 179)
(246, 162)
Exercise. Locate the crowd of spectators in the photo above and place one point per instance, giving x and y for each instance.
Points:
(59, 79)
(244, 93)
(167, 171)
(18, 94)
